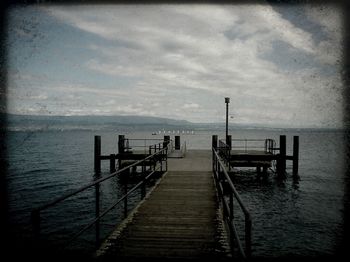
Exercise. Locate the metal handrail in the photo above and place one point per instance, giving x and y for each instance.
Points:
(60, 199)
(126, 143)
(35, 213)
(218, 166)
(268, 146)
(111, 207)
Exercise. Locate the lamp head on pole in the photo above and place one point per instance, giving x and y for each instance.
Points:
(227, 100)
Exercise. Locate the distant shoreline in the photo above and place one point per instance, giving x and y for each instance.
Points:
(14, 122)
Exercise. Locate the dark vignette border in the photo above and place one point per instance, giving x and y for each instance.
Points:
(342, 247)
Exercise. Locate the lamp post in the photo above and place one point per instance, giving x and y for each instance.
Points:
(227, 101)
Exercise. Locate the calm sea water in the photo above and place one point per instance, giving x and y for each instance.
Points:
(304, 218)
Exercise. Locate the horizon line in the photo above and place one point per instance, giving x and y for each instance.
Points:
(254, 125)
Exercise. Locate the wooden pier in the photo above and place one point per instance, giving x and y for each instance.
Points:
(243, 153)
(179, 219)
(189, 213)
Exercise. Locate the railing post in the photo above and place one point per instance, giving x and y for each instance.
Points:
(295, 156)
(229, 141)
(143, 168)
(167, 139)
(177, 143)
(214, 142)
(121, 146)
(218, 167)
(229, 144)
(214, 146)
(166, 159)
(126, 199)
(281, 162)
(97, 154)
(231, 206)
(161, 162)
(112, 163)
(271, 146)
(143, 189)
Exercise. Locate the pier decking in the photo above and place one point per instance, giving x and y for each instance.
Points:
(179, 219)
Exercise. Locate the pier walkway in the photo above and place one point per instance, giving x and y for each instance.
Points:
(179, 219)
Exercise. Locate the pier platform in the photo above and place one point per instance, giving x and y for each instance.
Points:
(178, 219)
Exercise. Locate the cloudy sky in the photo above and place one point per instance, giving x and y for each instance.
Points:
(280, 65)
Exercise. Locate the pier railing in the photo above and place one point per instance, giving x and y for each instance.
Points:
(227, 193)
(140, 144)
(266, 145)
(158, 156)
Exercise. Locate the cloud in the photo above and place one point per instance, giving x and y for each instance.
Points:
(191, 56)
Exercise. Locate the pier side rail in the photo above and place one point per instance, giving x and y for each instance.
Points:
(158, 157)
(226, 188)
(267, 145)
(143, 144)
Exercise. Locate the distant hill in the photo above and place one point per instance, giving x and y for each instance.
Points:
(23, 122)
(45, 122)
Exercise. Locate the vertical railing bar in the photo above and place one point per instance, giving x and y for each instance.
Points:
(231, 206)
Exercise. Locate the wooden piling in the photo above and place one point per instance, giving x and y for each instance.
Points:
(177, 142)
(121, 146)
(229, 141)
(97, 154)
(214, 141)
(166, 141)
(281, 162)
(295, 155)
(112, 163)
